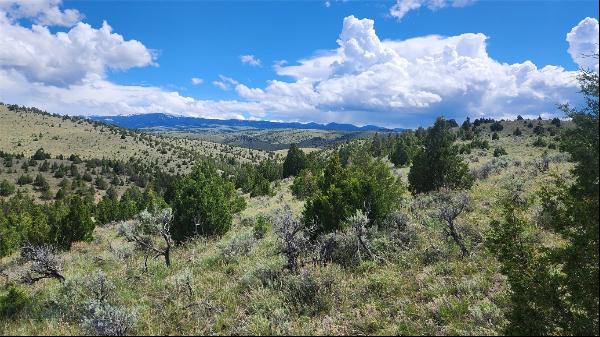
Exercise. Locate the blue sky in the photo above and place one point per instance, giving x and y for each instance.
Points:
(205, 40)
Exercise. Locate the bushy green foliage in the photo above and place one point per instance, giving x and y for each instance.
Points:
(376, 147)
(61, 223)
(101, 183)
(555, 289)
(203, 203)
(365, 183)
(13, 302)
(496, 126)
(24, 179)
(261, 226)
(256, 179)
(479, 144)
(438, 164)
(305, 184)
(75, 224)
(40, 154)
(41, 183)
(6, 188)
(539, 142)
(294, 162)
(534, 292)
(133, 201)
(500, 151)
(572, 212)
(405, 147)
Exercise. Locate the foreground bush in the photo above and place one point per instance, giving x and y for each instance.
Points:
(13, 302)
(203, 204)
(365, 184)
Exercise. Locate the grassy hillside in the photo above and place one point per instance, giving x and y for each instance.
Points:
(265, 139)
(26, 130)
(237, 284)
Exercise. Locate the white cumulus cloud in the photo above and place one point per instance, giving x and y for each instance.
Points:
(366, 80)
(43, 12)
(65, 58)
(583, 43)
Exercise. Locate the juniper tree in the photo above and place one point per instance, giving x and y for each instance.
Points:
(438, 164)
(294, 162)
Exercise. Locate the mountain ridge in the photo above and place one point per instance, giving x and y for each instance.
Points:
(153, 120)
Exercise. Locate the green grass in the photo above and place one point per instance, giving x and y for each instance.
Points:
(24, 131)
(425, 287)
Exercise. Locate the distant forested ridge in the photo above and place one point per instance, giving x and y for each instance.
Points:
(164, 120)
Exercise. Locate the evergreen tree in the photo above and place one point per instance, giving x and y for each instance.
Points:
(294, 162)
(438, 164)
(365, 184)
(376, 147)
(572, 212)
(555, 288)
(76, 225)
(534, 292)
(204, 203)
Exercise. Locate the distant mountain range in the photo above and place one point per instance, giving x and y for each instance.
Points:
(157, 120)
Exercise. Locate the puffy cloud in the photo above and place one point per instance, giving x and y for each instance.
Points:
(366, 80)
(197, 81)
(250, 60)
(583, 43)
(102, 97)
(43, 12)
(65, 58)
(402, 7)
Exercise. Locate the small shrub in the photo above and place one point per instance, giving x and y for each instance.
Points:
(41, 263)
(13, 302)
(261, 226)
(483, 172)
(6, 188)
(517, 132)
(307, 294)
(265, 274)
(540, 142)
(241, 244)
(103, 319)
(339, 248)
(294, 237)
(24, 179)
(500, 151)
